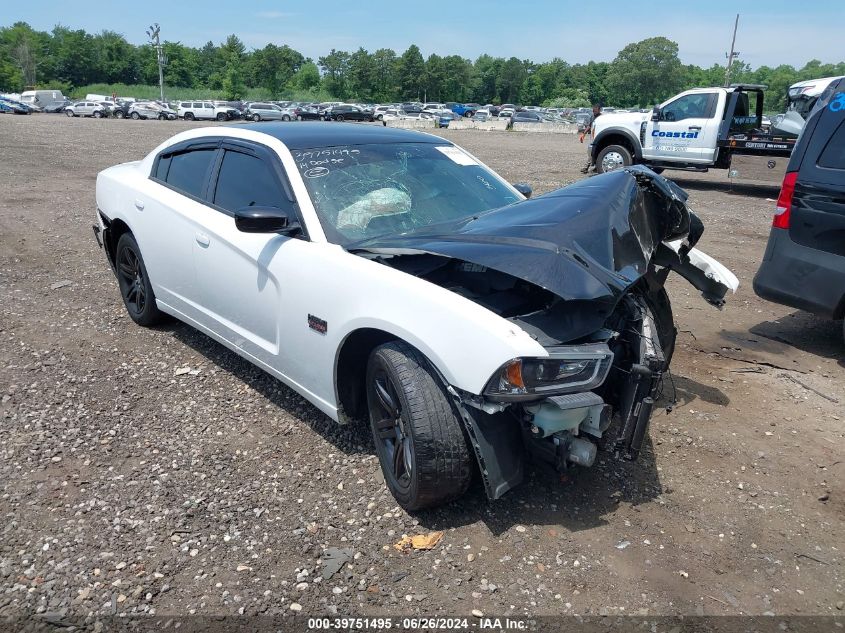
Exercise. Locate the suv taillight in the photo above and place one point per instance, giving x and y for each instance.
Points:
(784, 204)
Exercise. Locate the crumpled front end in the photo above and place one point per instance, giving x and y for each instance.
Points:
(582, 271)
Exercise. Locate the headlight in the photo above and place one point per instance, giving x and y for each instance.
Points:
(567, 369)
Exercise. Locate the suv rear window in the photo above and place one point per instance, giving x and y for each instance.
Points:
(833, 156)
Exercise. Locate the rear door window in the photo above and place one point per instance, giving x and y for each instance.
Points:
(833, 155)
(246, 180)
(187, 171)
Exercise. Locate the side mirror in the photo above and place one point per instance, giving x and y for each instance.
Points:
(524, 188)
(265, 220)
(655, 114)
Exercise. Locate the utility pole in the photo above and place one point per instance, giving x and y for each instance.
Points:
(732, 55)
(155, 42)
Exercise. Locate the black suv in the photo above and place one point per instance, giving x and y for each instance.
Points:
(348, 113)
(804, 263)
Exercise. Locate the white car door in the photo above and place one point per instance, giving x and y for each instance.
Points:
(242, 293)
(171, 208)
(686, 130)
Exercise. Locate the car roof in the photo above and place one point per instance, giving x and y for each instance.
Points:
(305, 135)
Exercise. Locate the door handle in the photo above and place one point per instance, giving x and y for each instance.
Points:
(203, 239)
(139, 204)
(694, 127)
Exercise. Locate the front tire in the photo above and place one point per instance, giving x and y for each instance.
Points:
(98, 114)
(613, 157)
(339, 118)
(189, 116)
(658, 303)
(119, 114)
(135, 116)
(69, 113)
(135, 287)
(221, 116)
(419, 438)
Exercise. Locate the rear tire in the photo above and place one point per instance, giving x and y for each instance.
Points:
(135, 116)
(119, 114)
(221, 116)
(97, 114)
(419, 438)
(189, 116)
(339, 118)
(135, 287)
(613, 157)
(285, 117)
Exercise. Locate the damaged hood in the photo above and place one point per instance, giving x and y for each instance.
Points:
(588, 241)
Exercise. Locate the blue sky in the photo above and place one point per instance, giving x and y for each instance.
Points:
(773, 33)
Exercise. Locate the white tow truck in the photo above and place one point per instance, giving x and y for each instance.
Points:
(696, 130)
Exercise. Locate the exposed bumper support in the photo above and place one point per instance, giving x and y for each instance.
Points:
(706, 274)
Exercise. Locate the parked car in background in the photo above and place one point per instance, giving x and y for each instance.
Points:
(14, 106)
(307, 113)
(346, 112)
(150, 110)
(233, 109)
(202, 110)
(526, 116)
(481, 115)
(804, 263)
(261, 111)
(582, 119)
(120, 110)
(443, 118)
(379, 111)
(86, 108)
(506, 113)
(392, 114)
(109, 106)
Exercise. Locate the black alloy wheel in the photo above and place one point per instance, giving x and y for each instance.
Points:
(135, 287)
(419, 438)
(397, 444)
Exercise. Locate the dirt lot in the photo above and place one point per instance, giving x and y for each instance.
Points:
(129, 487)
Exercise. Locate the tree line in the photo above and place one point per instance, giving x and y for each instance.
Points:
(642, 74)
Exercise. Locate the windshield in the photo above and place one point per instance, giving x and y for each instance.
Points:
(364, 191)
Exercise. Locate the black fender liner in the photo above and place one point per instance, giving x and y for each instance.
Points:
(496, 441)
(613, 131)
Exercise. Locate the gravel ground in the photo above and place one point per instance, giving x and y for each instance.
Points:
(153, 471)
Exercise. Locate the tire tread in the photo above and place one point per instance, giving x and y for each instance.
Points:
(444, 469)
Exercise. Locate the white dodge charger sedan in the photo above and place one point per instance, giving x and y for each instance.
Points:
(389, 276)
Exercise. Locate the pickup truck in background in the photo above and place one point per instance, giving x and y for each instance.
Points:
(461, 109)
(696, 130)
